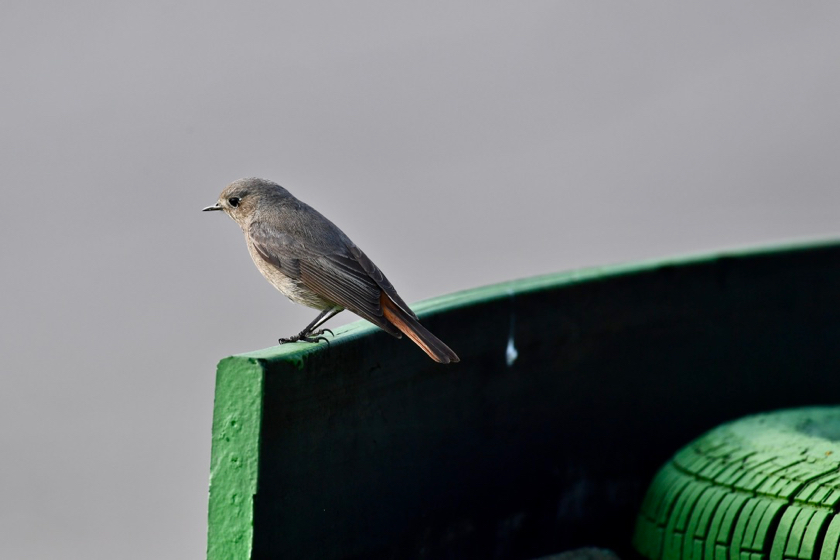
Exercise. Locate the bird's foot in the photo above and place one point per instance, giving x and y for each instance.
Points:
(311, 337)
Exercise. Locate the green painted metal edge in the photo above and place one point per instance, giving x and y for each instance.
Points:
(297, 353)
(234, 457)
(239, 386)
(470, 297)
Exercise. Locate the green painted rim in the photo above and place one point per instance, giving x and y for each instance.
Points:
(474, 296)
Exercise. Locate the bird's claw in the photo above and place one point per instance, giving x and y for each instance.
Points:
(317, 338)
(314, 337)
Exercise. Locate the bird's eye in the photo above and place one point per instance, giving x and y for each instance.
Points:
(234, 201)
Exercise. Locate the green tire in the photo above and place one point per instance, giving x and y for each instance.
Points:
(763, 487)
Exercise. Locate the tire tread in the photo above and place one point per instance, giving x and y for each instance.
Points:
(735, 497)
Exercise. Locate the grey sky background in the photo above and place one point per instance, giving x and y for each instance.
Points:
(459, 144)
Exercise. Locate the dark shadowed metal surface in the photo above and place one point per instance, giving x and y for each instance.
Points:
(572, 390)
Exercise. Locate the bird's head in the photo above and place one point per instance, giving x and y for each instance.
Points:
(243, 199)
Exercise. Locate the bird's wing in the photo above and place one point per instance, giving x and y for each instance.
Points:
(276, 248)
(373, 271)
(335, 276)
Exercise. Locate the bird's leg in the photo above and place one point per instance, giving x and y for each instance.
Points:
(309, 334)
(320, 320)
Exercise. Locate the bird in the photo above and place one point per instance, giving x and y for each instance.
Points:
(313, 263)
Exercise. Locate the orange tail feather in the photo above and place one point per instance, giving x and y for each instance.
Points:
(429, 343)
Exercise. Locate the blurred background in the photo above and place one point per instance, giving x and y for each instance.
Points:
(459, 144)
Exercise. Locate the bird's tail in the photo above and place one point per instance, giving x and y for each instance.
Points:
(429, 343)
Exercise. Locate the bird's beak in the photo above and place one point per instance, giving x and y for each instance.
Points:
(216, 206)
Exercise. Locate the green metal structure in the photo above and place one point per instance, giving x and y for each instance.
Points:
(573, 389)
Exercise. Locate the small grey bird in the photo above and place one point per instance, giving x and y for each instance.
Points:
(312, 262)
